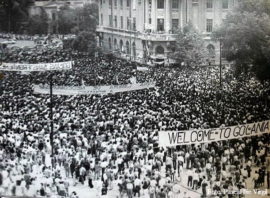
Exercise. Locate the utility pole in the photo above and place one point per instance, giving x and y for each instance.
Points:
(51, 119)
(220, 64)
(130, 29)
(113, 23)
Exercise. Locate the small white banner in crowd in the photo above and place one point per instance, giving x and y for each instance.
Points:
(174, 138)
(36, 67)
(142, 68)
(90, 90)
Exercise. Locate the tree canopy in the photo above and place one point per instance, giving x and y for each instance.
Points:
(84, 42)
(189, 47)
(38, 24)
(13, 14)
(76, 20)
(245, 36)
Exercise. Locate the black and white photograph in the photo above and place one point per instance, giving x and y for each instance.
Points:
(134, 98)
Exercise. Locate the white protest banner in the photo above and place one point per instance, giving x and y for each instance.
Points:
(36, 67)
(142, 68)
(174, 138)
(89, 90)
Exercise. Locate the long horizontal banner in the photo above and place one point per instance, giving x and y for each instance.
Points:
(90, 90)
(36, 67)
(174, 138)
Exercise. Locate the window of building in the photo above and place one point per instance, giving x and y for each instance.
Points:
(110, 43)
(127, 47)
(134, 50)
(175, 23)
(209, 4)
(211, 51)
(121, 3)
(225, 4)
(115, 21)
(115, 3)
(160, 24)
(101, 19)
(110, 21)
(128, 3)
(209, 25)
(159, 50)
(128, 23)
(134, 23)
(110, 3)
(101, 3)
(160, 4)
(122, 22)
(121, 46)
(115, 44)
(150, 20)
(175, 4)
(53, 16)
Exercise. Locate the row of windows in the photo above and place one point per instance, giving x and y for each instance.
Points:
(113, 22)
(209, 4)
(127, 2)
(161, 3)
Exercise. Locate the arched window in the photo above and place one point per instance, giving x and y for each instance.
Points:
(110, 43)
(134, 49)
(159, 50)
(211, 51)
(127, 48)
(121, 46)
(115, 44)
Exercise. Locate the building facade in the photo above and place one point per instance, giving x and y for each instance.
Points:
(143, 29)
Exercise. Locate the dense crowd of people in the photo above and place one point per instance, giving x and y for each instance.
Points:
(109, 142)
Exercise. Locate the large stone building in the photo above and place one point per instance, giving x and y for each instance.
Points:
(51, 7)
(143, 29)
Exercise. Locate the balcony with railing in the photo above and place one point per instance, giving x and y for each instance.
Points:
(150, 36)
(157, 36)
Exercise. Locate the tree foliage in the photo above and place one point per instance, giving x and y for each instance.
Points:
(84, 42)
(13, 14)
(87, 17)
(72, 20)
(245, 36)
(38, 24)
(189, 47)
(66, 20)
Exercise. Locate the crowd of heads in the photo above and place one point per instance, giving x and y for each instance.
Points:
(113, 139)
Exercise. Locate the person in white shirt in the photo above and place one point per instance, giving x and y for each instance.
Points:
(195, 180)
(129, 189)
(137, 186)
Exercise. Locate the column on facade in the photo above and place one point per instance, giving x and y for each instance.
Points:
(146, 17)
(181, 13)
(153, 15)
(168, 16)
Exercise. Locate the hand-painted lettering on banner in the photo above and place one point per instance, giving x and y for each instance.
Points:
(36, 67)
(90, 90)
(173, 138)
